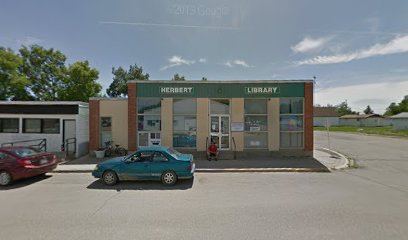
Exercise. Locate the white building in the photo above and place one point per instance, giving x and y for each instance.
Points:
(325, 117)
(364, 120)
(400, 121)
(61, 125)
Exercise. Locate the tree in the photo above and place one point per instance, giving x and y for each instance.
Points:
(45, 68)
(80, 82)
(178, 77)
(368, 110)
(344, 109)
(118, 87)
(204, 79)
(11, 80)
(395, 108)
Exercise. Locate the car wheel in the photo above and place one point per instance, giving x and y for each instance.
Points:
(110, 178)
(5, 178)
(169, 178)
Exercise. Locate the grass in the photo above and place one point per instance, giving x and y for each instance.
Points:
(385, 131)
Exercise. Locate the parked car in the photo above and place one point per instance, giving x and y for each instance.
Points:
(24, 162)
(149, 163)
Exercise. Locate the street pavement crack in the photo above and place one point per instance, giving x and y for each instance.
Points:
(104, 203)
(379, 183)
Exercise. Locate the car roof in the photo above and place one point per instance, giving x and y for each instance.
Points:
(153, 148)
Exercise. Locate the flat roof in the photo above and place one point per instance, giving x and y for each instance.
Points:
(43, 103)
(222, 81)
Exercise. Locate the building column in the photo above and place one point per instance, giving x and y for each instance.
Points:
(308, 118)
(203, 130)
(167, 122)
(132, 117)
(94, 121)
(273, 124)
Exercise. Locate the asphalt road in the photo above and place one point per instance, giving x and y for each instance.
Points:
(383, 160)
(213, 206)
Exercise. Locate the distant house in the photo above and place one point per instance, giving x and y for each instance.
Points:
(325, 116)
(364, 120)
(400, 121)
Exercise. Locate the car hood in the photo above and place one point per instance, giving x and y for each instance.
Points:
(111, 162)
(185, 157)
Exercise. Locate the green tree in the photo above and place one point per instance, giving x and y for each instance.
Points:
(204, 79)
(11, 80)
(178, 77)
(368, 110)
(45, 69)
(344, 109)
(81, 82)
(395, 108)
(118, 87)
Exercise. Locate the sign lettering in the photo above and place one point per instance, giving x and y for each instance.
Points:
(262, 90)
(176, 90)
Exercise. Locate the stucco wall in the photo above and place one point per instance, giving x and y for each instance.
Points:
(273, 124)
(82, 131)
(237, 115)
(202, 123)
(118, 111)
(167, 122)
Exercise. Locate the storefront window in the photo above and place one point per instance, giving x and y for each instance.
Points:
(9, 125)
(291, 123)
(256, 123)
(219, 106)
(149, 123)
(184, 123)
(149, 105)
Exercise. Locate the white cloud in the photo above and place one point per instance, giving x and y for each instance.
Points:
(398, 44)
(377, 95)
(237, 62)
(177, 61)
(27, 41)
(202, 60)
(309, 44)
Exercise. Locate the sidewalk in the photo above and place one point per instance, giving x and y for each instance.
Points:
(323, 161)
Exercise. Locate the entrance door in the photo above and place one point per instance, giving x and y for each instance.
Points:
(220, 131)
(69, 136)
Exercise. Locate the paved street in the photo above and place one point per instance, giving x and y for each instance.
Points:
(370, 202)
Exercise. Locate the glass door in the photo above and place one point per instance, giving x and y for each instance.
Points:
(220, 131)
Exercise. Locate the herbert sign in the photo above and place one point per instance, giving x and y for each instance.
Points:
(262, 90)
(187, 90)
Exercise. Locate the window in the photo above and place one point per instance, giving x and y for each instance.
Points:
(47, 125)
(291, 123)
(219, 106)
(9, 125)
(256, 123)
(159, 157)
(106, 130)
(185, 123)
(148, 120)
(3, 155)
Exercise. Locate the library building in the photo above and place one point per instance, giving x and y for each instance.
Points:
(270, 117)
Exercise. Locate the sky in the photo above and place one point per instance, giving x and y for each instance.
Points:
(357, 50)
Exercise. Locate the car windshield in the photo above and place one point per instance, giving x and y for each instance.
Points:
(25, 152)
(174, 152)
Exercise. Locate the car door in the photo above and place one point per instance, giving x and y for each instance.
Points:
(138, 168)
(159, 164)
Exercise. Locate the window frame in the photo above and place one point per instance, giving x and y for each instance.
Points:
(24, 130)
(148, 114)
(188, 132)
(11, 118)
(293, 131)
(260, 131)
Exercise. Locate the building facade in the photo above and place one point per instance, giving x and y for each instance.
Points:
(364, 120)
(63, 125)
(241, 116)
(325, 117)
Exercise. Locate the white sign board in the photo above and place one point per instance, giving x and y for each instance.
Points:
(237, 127)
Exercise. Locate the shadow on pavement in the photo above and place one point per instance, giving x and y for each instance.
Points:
(184, 184)
(25, 182)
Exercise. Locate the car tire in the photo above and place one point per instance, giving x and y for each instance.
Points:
(110, 178)
(169, 178)
(5, 178)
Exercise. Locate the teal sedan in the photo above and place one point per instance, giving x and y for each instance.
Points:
(149, 163)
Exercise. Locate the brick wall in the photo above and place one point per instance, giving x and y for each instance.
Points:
(308, 124)
(93, 125)
(132, 115)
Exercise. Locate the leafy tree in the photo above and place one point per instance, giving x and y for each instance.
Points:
(344, 109)
(80, 82)
(45, 68)
(368, 110)
(178, 77)
(395, 108)
(204, 79)
(118, 87)
(11, 80)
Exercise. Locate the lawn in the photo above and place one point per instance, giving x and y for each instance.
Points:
(386, 131)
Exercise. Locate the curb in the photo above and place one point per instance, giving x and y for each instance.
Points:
(346, 163)
(226, 170)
